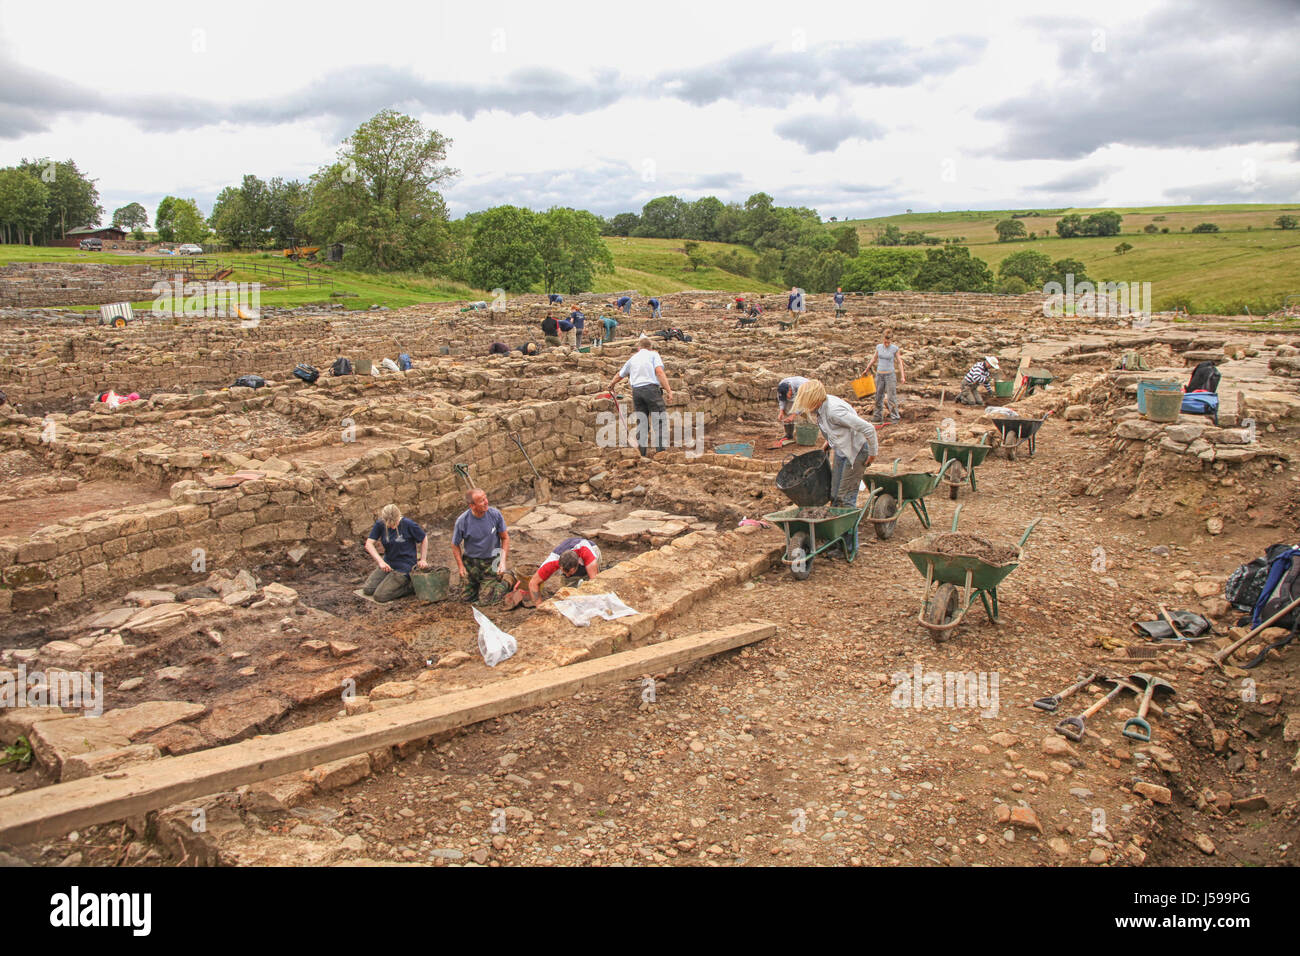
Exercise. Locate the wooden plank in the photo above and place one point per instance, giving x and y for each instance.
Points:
(54, 810)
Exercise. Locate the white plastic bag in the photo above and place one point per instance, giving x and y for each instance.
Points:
(493, 643)
(391, 365)
(582, 609)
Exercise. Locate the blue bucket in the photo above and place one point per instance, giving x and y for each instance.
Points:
(1150, 384)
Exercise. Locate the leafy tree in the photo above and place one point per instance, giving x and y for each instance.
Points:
(735, 262)
(1062, 268)
(1031, 268)
(1009, 229)
(662, 218)
(1105, 223)
(1205, 227)
(131, 216)
(700, 218)
(187, 222)
(504, 250)
(240, 214)
(892, 236)
(286, 204)
(1150, 228)
(768, 267)
(24, 205)
(1012, 285)
(571, 250)
(876, 270)
(379, 196)
(72, 201)
(953, 269)
(694, 254)
(1286, 222)
(165, 218)
(624, 224)
(1067, 227)
(847, 241)
(1122, 248)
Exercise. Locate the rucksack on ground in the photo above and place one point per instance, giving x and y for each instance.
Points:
(1205, 378)
(249, 381)
(1281, 588)
(1201, 403)
(1245, 585)
(308, 373)
(341, 366)
(404, 362)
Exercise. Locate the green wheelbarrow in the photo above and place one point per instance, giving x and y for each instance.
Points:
(890, 492)
(807, 536)
(954, 581)
(1037, 378)
(968, 457)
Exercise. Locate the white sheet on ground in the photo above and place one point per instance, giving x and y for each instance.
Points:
(584, 608)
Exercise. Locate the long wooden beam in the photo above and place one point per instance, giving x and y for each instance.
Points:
(57, 809)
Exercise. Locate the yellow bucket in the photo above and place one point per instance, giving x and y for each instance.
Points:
(864, 386)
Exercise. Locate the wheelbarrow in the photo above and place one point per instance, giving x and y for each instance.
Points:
(807, 536)
(1036, 378)
(954, 581)
(968, 456)
(1018, 431)
(889, 492)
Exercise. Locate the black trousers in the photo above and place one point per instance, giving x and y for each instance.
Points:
(649, 401)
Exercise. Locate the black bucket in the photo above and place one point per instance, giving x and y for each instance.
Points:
(806, 479)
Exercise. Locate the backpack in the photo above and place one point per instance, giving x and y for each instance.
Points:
(249, 381)
(341, 366)
(1205, 378)
(308, 373)
(1281, 587)
(1201, 403)
(404, 362)
(1245, 585)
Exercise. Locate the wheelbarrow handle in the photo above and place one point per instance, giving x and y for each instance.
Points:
(1024, 537)
(896, 461)
(943, 469)
(1136, 728)
(956, 515)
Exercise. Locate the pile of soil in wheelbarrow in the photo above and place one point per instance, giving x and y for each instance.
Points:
(815, 514)
(973, 546)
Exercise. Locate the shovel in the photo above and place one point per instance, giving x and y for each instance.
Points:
(1137, 727)
(1072, 727)
(541, 486)
(1050, 704)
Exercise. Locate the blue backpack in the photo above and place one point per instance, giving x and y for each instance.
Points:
(1201, 403)
(404, 362)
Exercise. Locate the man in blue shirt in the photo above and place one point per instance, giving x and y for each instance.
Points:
(480, 544)
(625, 303)
(839, 302)
(656, 311)
(554, 299)
(578, 320)
(391, 578)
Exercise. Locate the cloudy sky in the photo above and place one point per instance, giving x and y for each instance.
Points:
(855, 108)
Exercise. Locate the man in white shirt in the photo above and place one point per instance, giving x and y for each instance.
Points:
(650, 393)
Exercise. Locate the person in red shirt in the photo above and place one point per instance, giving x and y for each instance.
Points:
(575, 557)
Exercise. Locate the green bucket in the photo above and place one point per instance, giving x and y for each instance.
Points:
(364, 366)
(1004, 388)
(431, 586)
(1164, 405)
(805, 433)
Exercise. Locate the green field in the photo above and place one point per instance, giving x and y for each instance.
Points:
(1248, 264)
(649, 266)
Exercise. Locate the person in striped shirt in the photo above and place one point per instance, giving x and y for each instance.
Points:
(978, 378)
(573, 557)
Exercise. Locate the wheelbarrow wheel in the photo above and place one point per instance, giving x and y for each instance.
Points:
(941, 608)
(956, 477)
(800, 563)
(1010, 452)
(885, 507)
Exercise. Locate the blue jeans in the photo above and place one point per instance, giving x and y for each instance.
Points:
(658, 312)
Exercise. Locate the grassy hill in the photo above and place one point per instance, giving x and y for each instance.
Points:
(647, 265)
(1248, 264)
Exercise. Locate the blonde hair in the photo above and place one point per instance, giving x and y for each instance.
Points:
(390, 515)
(809, 398)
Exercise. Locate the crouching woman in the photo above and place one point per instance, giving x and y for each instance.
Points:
(851, 438)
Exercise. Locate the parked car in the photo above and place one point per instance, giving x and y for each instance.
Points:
(190, 249)
(92, 245)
